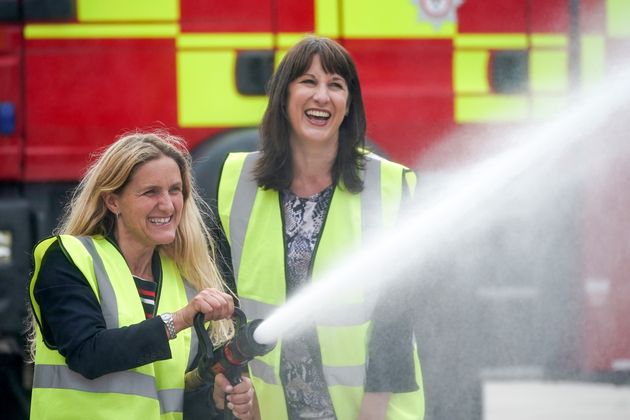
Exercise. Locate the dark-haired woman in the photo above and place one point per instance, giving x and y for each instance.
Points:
(294, 208)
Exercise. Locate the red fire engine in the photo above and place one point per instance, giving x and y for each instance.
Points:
(74, 74)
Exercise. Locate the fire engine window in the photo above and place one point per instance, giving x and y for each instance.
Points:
(48, 9)
(253, 70)
(9, 10)
(509, 71)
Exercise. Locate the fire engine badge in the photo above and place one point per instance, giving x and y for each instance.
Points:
(437, 11)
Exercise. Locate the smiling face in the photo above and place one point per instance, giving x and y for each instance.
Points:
(149, 206)
(317, 104)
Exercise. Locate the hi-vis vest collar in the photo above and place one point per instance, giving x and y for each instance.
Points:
(253, 223)
(150, 391)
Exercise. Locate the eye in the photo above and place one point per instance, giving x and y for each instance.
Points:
(176, 189)
(150, 192)
(337, 85)
(308, 82)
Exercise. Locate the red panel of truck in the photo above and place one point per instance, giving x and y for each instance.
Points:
(492, 16)
(10, 94)
(409, 97)
(82, 94)
(549, 16)
(295, 16)
(592, 16)
(226, 16)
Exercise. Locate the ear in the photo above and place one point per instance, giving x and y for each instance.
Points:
(111, 202)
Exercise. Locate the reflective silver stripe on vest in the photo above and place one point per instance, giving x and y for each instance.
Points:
(108, 302)
(244, 197)
(255, 309)
(345, 375)
(371, 210)
(171, 400)
(126, 382)
(194, 342)
(263, 371)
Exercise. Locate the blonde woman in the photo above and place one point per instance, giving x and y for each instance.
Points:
(114, 293)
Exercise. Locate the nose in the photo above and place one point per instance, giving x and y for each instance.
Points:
(321, 95)
(165, 203)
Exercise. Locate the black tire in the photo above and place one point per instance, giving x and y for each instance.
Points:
(208, 159)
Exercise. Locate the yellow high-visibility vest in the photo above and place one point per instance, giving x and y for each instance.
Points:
(251, 217)
(151, 391)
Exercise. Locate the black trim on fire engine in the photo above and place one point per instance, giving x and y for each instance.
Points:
(9, 11)
(58, 10)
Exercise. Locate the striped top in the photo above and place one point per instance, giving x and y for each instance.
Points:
(147, 291)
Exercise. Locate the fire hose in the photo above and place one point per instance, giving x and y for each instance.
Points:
(228, 359)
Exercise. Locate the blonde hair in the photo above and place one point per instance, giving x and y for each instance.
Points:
(193, 249)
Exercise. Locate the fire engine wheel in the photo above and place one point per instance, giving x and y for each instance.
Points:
(209, 156)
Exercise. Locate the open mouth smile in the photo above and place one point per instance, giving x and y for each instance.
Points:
(317, 116)
(160, 220)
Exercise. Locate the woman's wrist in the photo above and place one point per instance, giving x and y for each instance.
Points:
(179, 322)
(169, 325)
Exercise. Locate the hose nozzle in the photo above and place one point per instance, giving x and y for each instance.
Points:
(231, 356)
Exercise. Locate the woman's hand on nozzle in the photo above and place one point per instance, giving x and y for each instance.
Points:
(213, 303)
(240, 397)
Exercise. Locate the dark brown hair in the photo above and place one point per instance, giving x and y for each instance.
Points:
(274, 169)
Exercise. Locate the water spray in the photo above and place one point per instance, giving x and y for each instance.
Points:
(228, 359)
(459, 205)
